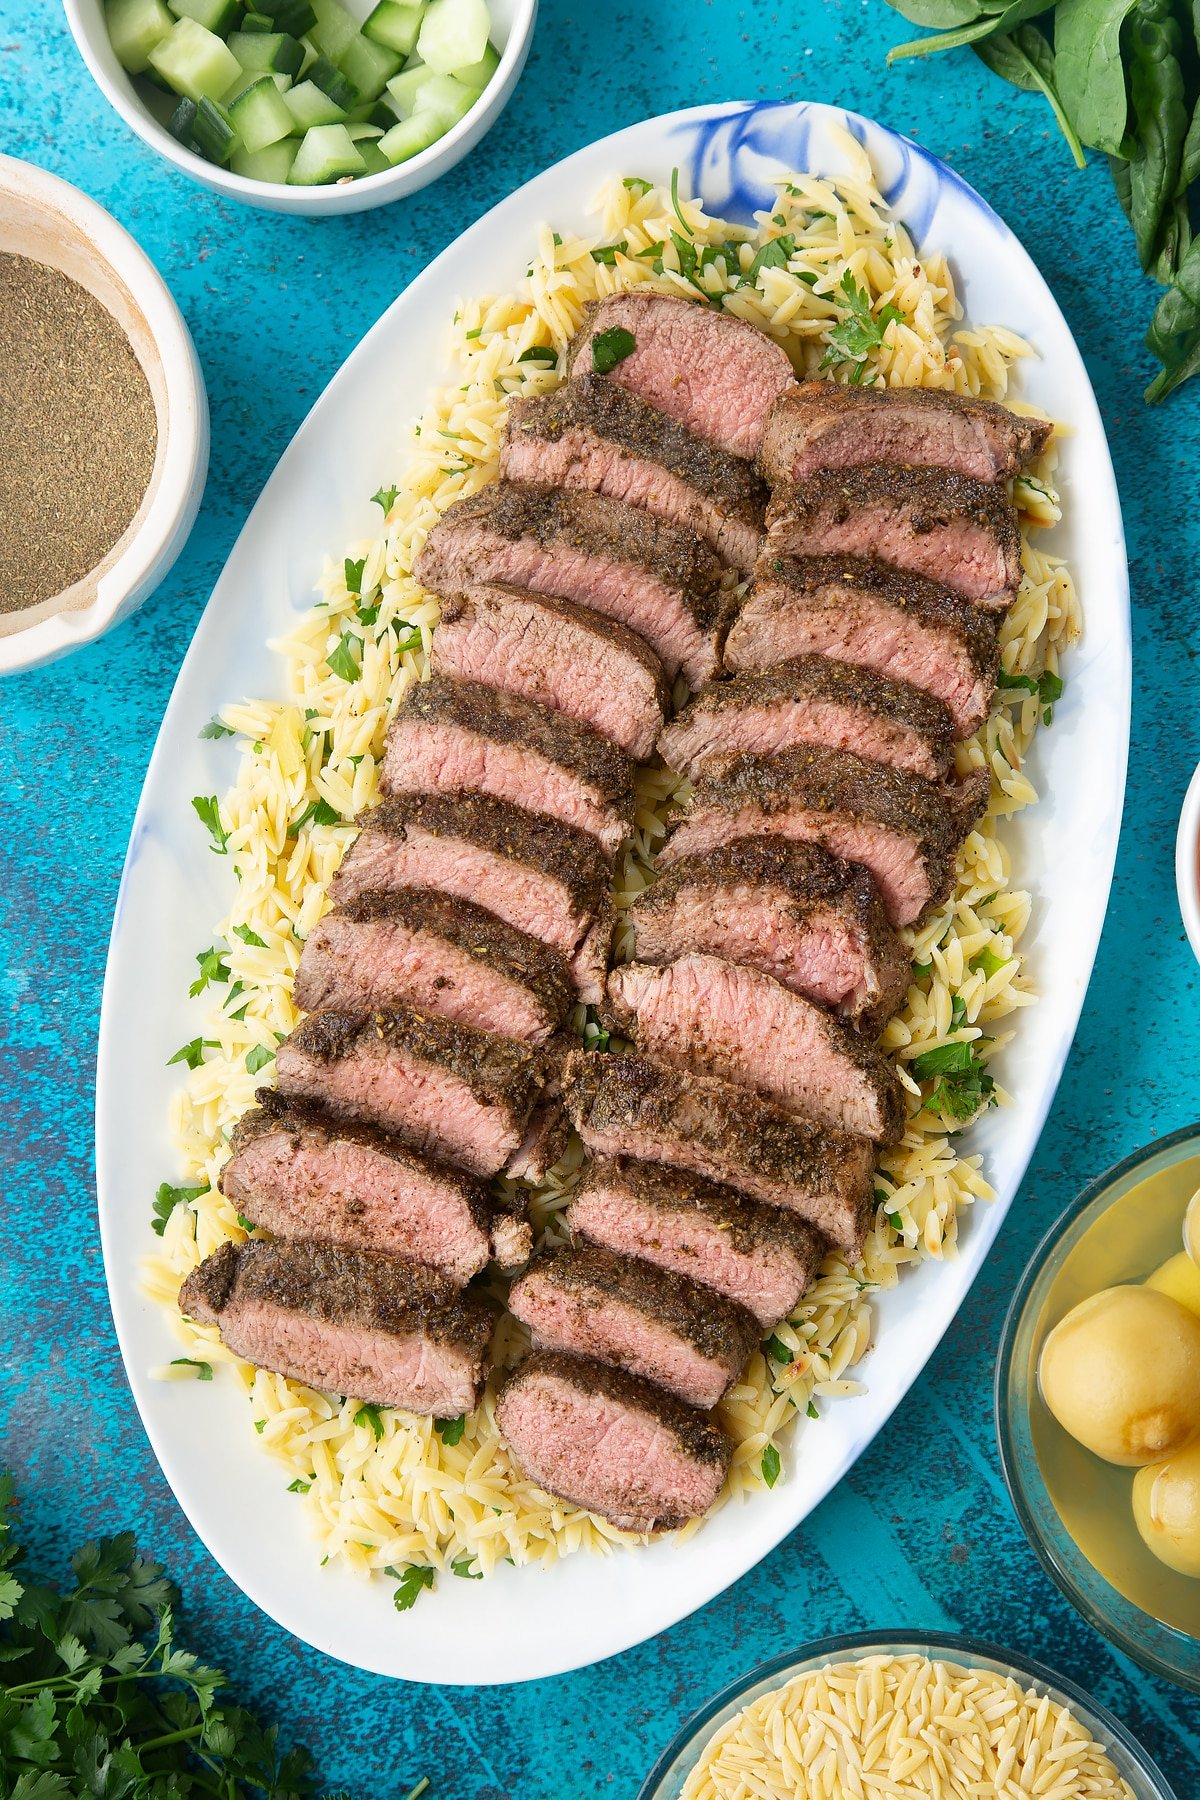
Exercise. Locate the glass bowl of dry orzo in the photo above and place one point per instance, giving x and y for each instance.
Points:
(936, 1714)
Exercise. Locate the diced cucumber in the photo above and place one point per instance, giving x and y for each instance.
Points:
(161, 102)
(257, 22)
(410, 137)
(395, 24)
(214, 134)
(445, 100)
(310, 106)
(182, 122)
(477, 75)
(383, 115)
(453, 34)
(333, 28)
(329, 78)
(261, 115)
(268, 52)
(404, 88)
(361, 132)
(135, 28)
(214, 15)
(374, 159)
(369, 66)
(326, 153)
(293, 16)
(282, 83)
(272, 164)
(195, 62)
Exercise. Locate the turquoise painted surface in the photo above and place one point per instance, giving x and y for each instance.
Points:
(921, 1535)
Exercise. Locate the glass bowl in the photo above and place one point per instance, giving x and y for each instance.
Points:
(666, 1780)
(1096, 1243)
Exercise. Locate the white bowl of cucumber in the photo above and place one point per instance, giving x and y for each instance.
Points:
(307, 106)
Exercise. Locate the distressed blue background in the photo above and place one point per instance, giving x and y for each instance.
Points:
(921, 1534)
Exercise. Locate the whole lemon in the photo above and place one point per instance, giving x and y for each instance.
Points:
(1166, 1509)
(1191, 1228)
(1179, 1276)
(1121, 1373)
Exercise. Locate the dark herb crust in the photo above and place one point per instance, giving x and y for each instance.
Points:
(717, 1327)
(498, 1070)
(1018, 439)
(820, 678)
(692, 1430)
(466, 606)
(749, 1224)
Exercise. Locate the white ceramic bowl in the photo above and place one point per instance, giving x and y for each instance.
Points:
(1187, 863)
(512, 33)
(52, 222)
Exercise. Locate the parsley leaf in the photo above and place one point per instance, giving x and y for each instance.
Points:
(775, 255)
(450, 1430)
(217, 729)
(608, 253)
(462, 1568)
(298, 1486)
(860, 332)
(539, 353)
(770, 1465)
(203, 1369)
(258, 1058)
(385, 497)
(611, 347)
(209, 815)
(963, 1086)
(988, 961)
(249, 937)
(354, 571)
(958, 1011)
(370, 1415)
(636, 185)
(167, 1198)
(812, 1410)
(319, 812)
(777, 1350)
(343, 659)
(413, 1578)
(213, 967)
(192, 1053)
(921, 970)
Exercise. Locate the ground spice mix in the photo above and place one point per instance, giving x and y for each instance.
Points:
(77, 432)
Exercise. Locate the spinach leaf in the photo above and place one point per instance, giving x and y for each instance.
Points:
(987, 26)
(1160, 123)
(1024, 58)
(939, 15)
(1174, 334)
(1089, 70)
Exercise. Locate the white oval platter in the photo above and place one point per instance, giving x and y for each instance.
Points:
(531, 1623)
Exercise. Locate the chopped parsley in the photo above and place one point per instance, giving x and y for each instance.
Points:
(258, 1058)
(958, 1011)
(777, 1350)
(213, 967)
(385, 497)
(167, 1198)
(461, 1567)
(450, 1430)
(371, 1416)
(860, 331)
(636, 185)
(770, 1465)
(216, 728)
(413, 1578)
(921, 970)
(408, 637)
(988, 961)
(343, 659)
(298, 1486)
(539, 353)
(192, 1053)
(608, 253)
(478, 332)
(354, 573)
(963, 1086)
(209, 815)
(1047, 686)
(775, 255)
(812, 1410)
(895, 1221)
(611, 347)
(203, 1369)
(249, 937)
(675, 203)
(317, 812)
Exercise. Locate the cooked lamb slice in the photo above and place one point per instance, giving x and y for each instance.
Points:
(791, 909)
(448, 1090)
(415, 947)
(594, 434)
(564, 656)
(512, 1231)
(611, 1443)
(632, 1106)
(544, 1140)
(659, 580)
(300, 1174)
(712, 372)
(811, 700)
(945, 527)
(823, 425)
(350, 1321)
(897, 825)
(533, 873)
(454, 737)
(725, 1019)
(862, 612)
(682, 1337)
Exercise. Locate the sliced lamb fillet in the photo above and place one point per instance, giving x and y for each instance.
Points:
(350, 1321)
(944, 527)
(454, 737)
(684, 1338)
(659, 580)
(414, 947)
(791, 909)
(898, 826)
(544, 1140)
(760, 1256)
(594, 434)
(564, 656)
(611, 1443)
(862, 612)
(823, 425)
(537, 875)
(726, 1019)
(447, 1090)
(631, 1106)
(811, 700)
(298, 1173)
(713, 372)
(512, 1237)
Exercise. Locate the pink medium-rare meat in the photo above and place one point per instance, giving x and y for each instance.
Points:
(760, 1256)
(900, 827)
(594, 434)
(659, 580)
(563, 656)
(703, 1013)
(633, 1106)
(858, 611)
(789, 908)
(944, 527)
(610, 1442)
(415, 947)
(540, 876)
(350, 1321)
(811, 700)
(298, 1173)
(824, 425)
(713, 372)
(544, 1140)
(462, 1095)
(659, 1325)
(454, 737)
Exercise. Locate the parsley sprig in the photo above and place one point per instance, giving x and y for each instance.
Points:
(962, 1085)
(860, 331)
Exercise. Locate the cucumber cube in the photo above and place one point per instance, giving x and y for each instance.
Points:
(260, 115)
(267, 52)
(309, 105)
(445, 100)
(409, 138)
(272, 164)
(333, 28)
(214, 134)
(404, 88)
(135, 27)
(330, 80)
(293, 16)
(369, 66)
(376, 162)
(453, 34)
(395, 25)
(257, 22)
(477, 75)
(360, 131)
(195, 62)
(214, 15)
(327, 153)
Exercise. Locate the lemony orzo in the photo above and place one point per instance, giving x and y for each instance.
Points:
(385, 1489)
